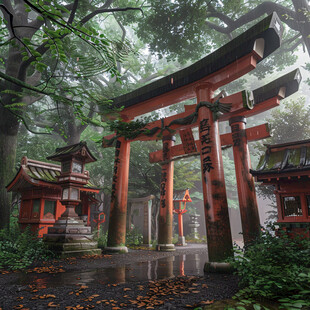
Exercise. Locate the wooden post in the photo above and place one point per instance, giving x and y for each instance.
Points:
(245, 181)
(180, 220)
(180, 212)
(165, 218)
(213, 182)
(117, 221)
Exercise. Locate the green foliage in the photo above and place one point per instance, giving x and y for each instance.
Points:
(134, 237)
(172, 28)
(175, 238)
(275, 268)
(291, 122)
(103, 238)
(19, 250)
(191, 238)
(129, 130)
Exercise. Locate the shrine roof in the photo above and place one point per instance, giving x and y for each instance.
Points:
(38, 173)
(289, 81)
(285, 159)
(71, 150)
(270, 29)
(181, 195)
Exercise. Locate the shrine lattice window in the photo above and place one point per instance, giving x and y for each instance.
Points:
(49, 209)
(292, 206)
(36, 208)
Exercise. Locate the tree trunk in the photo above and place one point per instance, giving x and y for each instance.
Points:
(302, 12)
(9, 125)
(8, 141)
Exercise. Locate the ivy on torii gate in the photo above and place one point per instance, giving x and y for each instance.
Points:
(200, 80)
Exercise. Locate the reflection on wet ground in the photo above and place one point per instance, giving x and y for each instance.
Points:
(168, 267)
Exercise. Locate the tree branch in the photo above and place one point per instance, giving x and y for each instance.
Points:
(8, 15)
(72, 15)
(286, 15)
(24, 122)
(22, 84)
(104, 10)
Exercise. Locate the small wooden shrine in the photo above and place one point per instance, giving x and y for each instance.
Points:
(40, 191)
(287, 167)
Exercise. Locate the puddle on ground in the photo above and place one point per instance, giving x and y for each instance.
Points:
(168, 267)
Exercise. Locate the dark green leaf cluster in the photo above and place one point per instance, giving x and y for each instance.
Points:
(19, 250)
(291, 123)
(129, 130)
(275, 267)
(133, 237)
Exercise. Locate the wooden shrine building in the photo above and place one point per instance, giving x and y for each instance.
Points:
(287, 167)
(40, 191)
(201, 80)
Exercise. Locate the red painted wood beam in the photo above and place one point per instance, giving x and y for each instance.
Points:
(240, 102)
(253, 134)
(258, 108)
(217, 79)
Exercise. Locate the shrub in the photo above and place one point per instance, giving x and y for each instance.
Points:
(191, 238)
(103, 238)
(275, 268)
(19, 250)
(134, 237)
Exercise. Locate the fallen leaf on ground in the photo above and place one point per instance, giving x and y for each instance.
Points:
(207, 302)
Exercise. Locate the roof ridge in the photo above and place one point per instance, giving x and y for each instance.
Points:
(286, 144)
(36, 163)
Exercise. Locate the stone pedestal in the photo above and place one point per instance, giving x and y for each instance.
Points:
(181, 241)
(115, 249)
(70, 237)
(194, 225)
(165, 247)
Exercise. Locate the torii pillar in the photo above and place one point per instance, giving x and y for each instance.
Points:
(213, 183)
(165, 218)
(117, 221)
(245, 181)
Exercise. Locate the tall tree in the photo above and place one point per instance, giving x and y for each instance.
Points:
(190, 29)
(34, 37)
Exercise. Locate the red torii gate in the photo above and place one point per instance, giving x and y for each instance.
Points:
(199, 80)
(264, 98)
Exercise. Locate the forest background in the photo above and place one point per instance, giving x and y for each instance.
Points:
(61, 63)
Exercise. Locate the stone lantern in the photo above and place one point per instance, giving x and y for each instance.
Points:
(70, 236)
(180, 198)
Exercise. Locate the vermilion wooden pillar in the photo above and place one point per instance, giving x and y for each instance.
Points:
(165, 218)
(213, 182)
(118, 210)
(245, 181)
(180, 222)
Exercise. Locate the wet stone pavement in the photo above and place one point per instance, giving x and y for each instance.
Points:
(140, 279)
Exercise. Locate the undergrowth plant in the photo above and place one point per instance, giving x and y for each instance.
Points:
(19, 249)
(196, 238)
(133, 237)
(274, 268)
